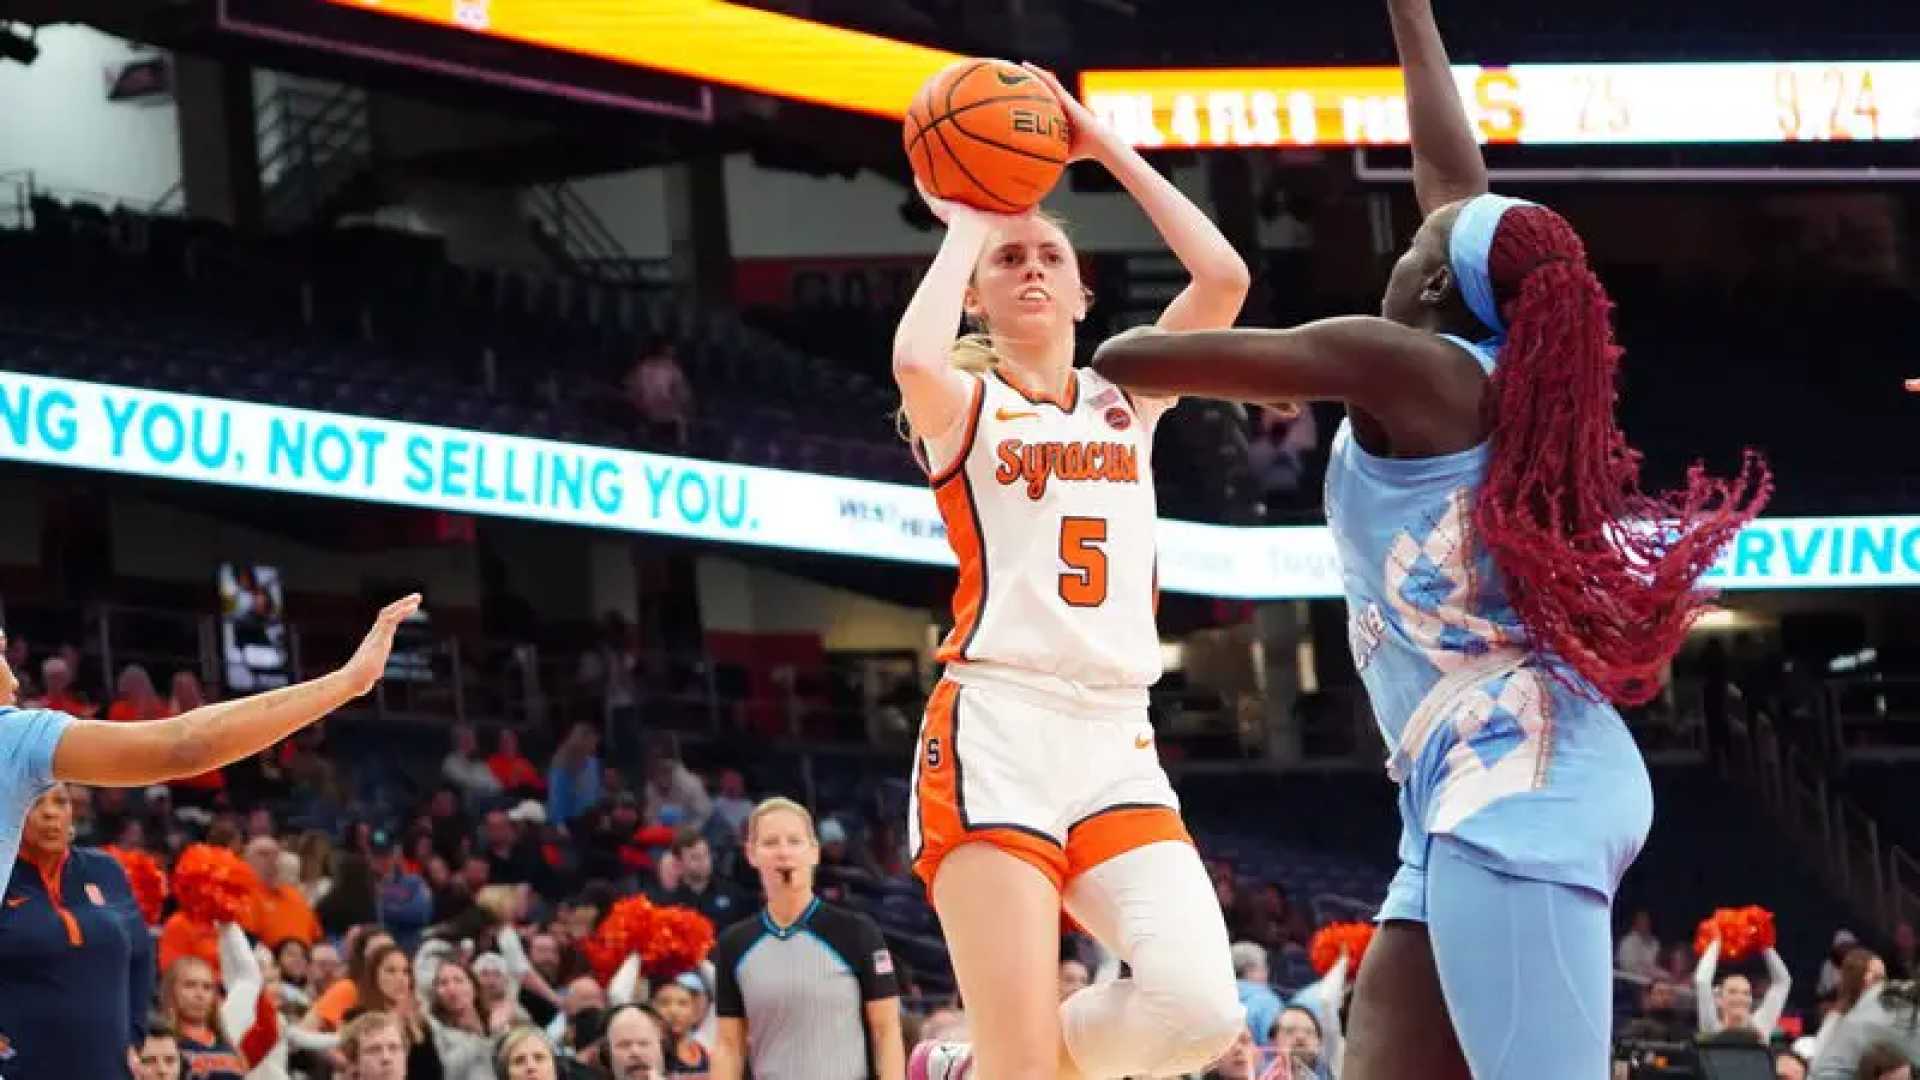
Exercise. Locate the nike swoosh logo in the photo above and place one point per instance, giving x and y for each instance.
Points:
(15, 901)
(1012, 80)
(1141, 742)
(1004, 415)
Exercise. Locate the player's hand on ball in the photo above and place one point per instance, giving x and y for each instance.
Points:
(947, 210)
(1085, 129)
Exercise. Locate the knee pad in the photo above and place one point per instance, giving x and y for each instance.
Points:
(1191, 1002)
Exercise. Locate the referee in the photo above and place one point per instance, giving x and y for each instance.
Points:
(805, 989)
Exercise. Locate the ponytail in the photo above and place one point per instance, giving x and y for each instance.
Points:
(1601, 574)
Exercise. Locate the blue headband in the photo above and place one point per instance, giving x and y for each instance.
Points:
(1469, 249)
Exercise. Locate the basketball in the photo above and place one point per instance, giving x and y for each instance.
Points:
(988, 134)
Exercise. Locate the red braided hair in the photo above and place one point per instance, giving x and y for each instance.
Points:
(1601, 574)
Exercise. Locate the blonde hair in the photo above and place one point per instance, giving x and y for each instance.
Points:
(503, 1050)
(973, 352)
(366, 1024)
(500, 901)
(170, 988)
(775, 805)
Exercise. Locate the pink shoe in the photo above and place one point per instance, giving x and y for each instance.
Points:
(940, 1061)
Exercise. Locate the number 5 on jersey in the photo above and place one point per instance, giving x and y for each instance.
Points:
(1085, 583)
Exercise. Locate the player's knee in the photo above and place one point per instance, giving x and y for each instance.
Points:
(1197, 1007)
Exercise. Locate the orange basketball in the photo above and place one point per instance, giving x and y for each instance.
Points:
(987, 134)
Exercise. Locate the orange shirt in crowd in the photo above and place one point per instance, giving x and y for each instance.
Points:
(71, 704)
(515, 771)
(123, 711)
(280, 913)
(335, 1004)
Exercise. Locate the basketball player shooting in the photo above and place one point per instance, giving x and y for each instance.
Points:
(1036, 783)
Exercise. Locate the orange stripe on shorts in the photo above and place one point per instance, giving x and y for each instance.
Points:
(1115, 831)
(943, 818)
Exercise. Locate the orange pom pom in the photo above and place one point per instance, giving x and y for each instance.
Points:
(682, 938)
(145, 878)
(1333, 939)
(214, 885)
(670, 940)
(1742, 932)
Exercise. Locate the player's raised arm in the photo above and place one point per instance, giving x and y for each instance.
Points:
(935, 393)
(1447, 163)
(133, 755)
(1219, 275)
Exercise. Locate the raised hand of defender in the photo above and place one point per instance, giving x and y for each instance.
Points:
(369, 661)
(1085, 131)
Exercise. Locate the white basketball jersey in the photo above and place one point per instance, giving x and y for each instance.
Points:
(1049, 507)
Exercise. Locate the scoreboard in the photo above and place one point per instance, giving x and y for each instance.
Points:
(1524, 104)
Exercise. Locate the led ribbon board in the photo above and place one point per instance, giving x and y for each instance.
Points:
(708, 40)
(71, 424)
(1538, 104)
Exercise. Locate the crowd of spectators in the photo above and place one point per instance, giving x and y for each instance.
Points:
(1671, 998)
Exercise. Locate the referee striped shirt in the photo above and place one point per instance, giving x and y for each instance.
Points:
(803, 991)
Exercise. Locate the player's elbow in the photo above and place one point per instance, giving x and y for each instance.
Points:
(917, 364)
(1225, 276)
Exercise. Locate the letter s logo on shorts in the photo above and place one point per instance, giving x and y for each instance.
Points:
(933, 753)
(882, 962)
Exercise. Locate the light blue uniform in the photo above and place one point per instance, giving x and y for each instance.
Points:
(1532, 797)
(28, 738)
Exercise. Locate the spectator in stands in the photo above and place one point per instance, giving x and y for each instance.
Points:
(462, 1036)
(1843, 942)
(56, 675)
(1298, 1040)
(465, 769)
(1859, 972)
(316, 865)
(1074, 977)
(526, 1054)
(331, 1007)
(159, 1053)
(777, 1019)
(1888, 1013)
(1788, 1065)
(732, 806)
(1257, 995)
(719, 900)
(76, 963)
(375, 1047)
(1728, 1005)
(280, 913)
(659, 392)
(1884, 1062)
(573, 783)
(325, 969)
(637, 1043)
(1905, 961)
(406, 904)
(136, 701)
(675, 796)
(1639, 951)
(836, 869)
(1660, 1018)
(513, 770)
(674, 1001)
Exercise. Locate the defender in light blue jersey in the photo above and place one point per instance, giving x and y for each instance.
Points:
(1506, 579)
(40, 746)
